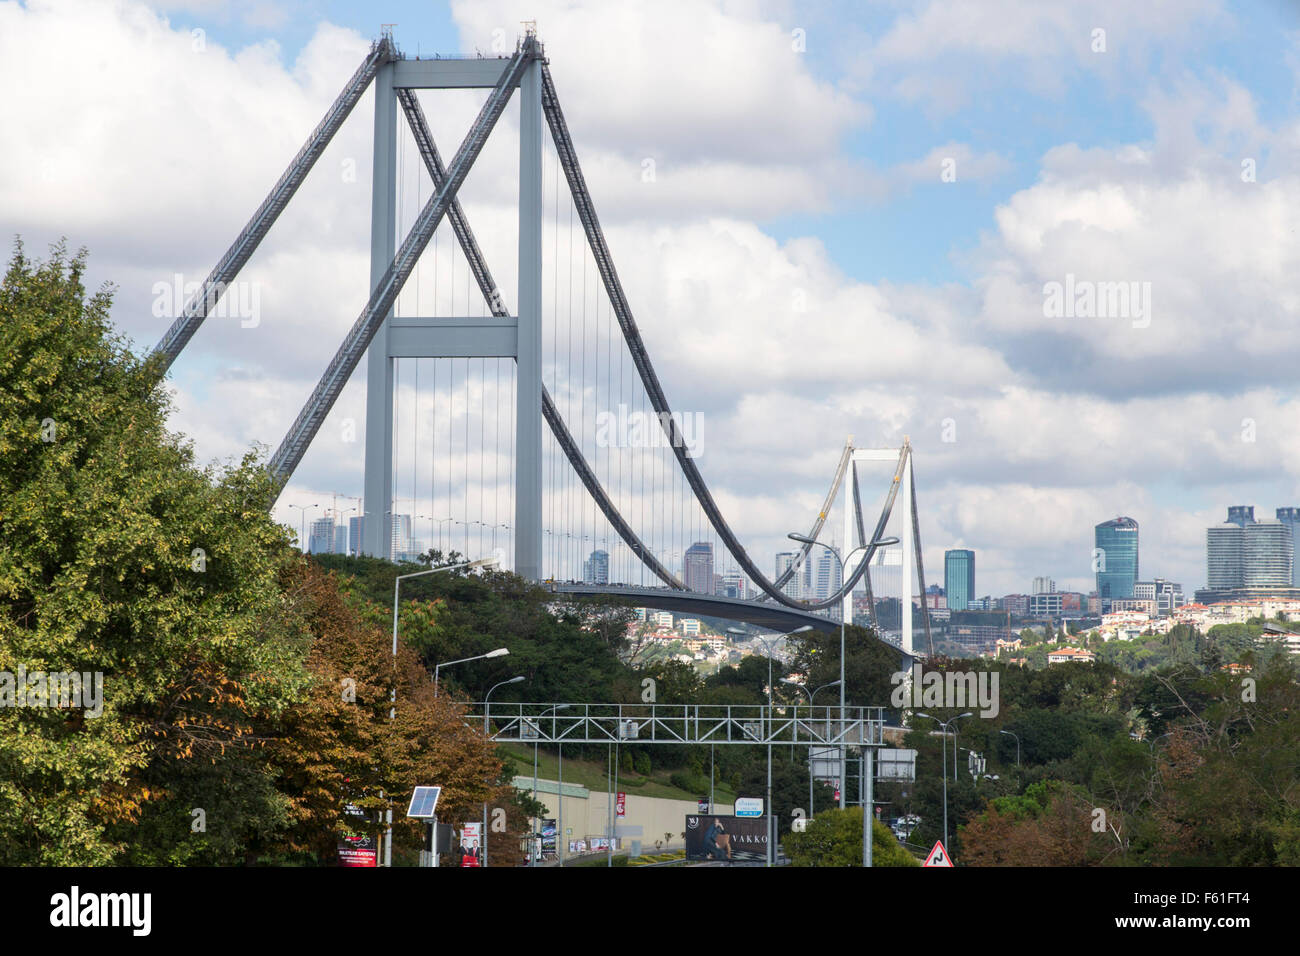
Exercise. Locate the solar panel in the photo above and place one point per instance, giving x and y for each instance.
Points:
(423, 802)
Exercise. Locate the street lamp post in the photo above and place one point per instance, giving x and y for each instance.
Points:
(392, 712)
(812, 695)
(870, 549)
(532, 861)
(302, 525)
(943, 746)
(954, 744)
(499, 652)
(1010, 734)
(767, 645)
(487, 706)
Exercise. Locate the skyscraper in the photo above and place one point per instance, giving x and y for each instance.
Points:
(595, 569)
(697, 568)
(340, 539)
(1291, 516)
(354, 535)
(829, 576)
(959, 578)
(400, 539)
(320, 540)
(1224, 544)
(794, 586)
(1117, 562)
(1268, 554)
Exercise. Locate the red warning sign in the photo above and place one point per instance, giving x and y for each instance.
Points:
(938, 856)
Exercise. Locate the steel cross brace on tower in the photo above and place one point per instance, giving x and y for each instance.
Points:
(183, 329)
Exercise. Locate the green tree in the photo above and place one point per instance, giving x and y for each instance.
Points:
(122, 558)
(834, 838)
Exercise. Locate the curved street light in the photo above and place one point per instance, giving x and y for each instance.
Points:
(487, 706)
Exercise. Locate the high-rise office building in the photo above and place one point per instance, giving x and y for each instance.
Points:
(354, 534)
(959, 578)
(400, 536)
(1291, 517)
(320, 540)
(1268, 553)
(595, 570)
(733, 585)
(340, 539)
(1117, 563)
(829, 576)
(793, 587)
(697, 568)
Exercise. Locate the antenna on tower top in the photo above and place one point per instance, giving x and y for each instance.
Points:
(530, 27)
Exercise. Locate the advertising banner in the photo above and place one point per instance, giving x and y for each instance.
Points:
(727, 839)
(358, 850)
(471, 844)
(549, 834)
(621, 804)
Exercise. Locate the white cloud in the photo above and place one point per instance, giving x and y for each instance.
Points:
(154, 156)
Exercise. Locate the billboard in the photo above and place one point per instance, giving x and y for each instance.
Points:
(728, 839)
(357, 849)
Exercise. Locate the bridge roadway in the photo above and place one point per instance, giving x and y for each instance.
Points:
(766, 614)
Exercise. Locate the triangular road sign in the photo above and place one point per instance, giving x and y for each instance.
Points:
(938, 856)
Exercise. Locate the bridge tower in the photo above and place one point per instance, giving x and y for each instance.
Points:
(499, 335)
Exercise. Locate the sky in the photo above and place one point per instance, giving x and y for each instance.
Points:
(863, 219)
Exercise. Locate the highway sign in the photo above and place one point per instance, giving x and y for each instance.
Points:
(938, 856)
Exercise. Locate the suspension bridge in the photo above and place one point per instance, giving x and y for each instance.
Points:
(581, 459)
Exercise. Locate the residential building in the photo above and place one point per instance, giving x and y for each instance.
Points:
(1017, 604)
(1268, 554)
(1247, 559)
(1291, 518)
(959, 578)
(1145, 606)
(690, 626)
(1067, 654)
(1043, 586)
(1165, 595)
